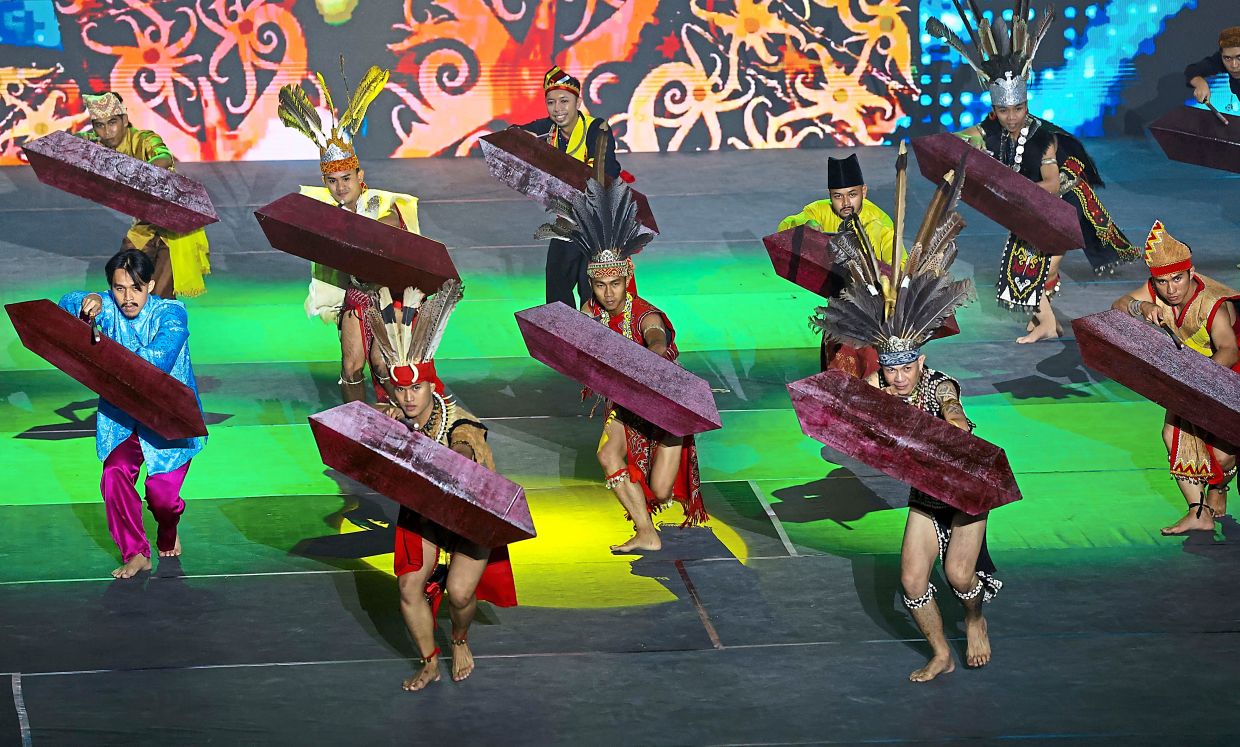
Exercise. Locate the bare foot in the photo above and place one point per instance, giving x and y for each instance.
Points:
(136, 565)
(977, 653)
(1218, 502)
(1191, 523)
(1047, 331)
(429, 674)
(462, 661)
(936, 666)
(174, 552)
(641, 541)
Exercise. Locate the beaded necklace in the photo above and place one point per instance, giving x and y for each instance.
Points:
(627, 327)
(441, 407)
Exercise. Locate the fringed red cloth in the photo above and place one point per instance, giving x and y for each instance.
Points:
(496, 586)
(687, 488)
(858, 362)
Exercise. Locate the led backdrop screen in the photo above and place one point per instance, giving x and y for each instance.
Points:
(670, 75)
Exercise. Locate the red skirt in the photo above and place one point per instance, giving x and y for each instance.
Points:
(496, 586)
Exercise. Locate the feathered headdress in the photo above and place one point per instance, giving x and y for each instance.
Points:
(1001, 57)
(336, 151)
(601, 223)
(408, 333)
(898, 312)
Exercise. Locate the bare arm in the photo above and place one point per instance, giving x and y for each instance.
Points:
(1137, 307)
(654, 333)
(953, 411)
(1223, 338)
(390, 218)
(1050, 171)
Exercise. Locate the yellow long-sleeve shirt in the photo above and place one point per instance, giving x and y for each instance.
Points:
(876, 223)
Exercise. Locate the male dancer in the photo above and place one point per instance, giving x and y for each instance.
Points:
(897, 318)
(847, 207)
(156, 329)
(474, 572)
(180, 260)
(576, 133)
(847, 196)
(1225, 60)
(1203, 315)
(344, 301)
(645, 466)
(1041, 152)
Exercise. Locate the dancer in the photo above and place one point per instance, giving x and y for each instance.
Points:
(1041, 152)
(474, 572)
(847, 204)
(346, 301)
(1203, 315)
(645, 466)
(572, 131)
(897, 314)
(157, 330)
(1225, 60)
(180, 259)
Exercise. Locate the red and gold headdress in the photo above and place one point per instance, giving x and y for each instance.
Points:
(336, 151)
(412, 333)
(1164, 254)
(602, 224)
(558, 80)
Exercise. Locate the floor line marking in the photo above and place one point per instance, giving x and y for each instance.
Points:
(19, 702)
(770, 513)
(697, 604)
(790, 644)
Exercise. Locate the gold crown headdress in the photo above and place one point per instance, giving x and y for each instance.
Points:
(897, 313)
(1002, 58)
(336, 151)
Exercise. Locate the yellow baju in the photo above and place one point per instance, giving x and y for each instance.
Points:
(878, 226)
(1192, 458)
(327, 286)
(188, 253)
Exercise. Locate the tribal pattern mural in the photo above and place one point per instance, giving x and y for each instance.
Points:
(670, 75)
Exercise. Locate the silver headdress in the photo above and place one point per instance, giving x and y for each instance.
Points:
(1001, 57)
(898, 312)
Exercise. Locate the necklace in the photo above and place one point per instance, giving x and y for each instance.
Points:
(627, 327)
(441, 407)
(1021, 139)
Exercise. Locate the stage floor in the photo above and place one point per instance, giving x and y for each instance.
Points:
(778, 623)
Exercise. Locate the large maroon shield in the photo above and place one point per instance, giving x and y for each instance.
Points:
(618, 368)
(354, 244)
(996, 191)
(1196, 136)
(1144, 359)
(536, 170)
(158, 196)
(905, 442)
(418, 472)
(109, 369)
(803, 256)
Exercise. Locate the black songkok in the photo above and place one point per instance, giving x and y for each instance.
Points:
(843, 173)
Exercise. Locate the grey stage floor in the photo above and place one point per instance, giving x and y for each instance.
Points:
(1132, 644)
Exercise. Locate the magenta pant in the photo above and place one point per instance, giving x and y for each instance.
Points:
(124, 506)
